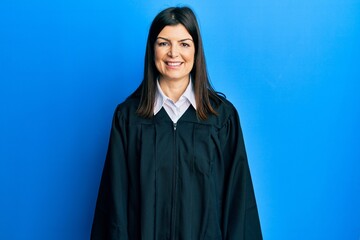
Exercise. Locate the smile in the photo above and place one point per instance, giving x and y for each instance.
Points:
(173, 64)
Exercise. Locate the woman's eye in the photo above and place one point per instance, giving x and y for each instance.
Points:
(163, 44)
(185, 45)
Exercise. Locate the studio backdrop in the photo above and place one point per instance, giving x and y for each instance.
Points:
(290, 67)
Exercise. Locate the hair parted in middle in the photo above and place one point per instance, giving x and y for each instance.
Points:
(204, 92)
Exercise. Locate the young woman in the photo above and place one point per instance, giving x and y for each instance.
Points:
(176, 166)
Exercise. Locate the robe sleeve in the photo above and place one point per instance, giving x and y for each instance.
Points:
(110, 218)
(240, 220)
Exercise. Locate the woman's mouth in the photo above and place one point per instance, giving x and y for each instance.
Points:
(173, 64)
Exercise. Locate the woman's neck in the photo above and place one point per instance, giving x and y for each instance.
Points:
(173, 89)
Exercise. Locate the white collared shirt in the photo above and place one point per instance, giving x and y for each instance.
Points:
(174, 109)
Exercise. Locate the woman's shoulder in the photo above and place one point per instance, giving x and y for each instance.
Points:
(127, 109)
(223, 106)
(225, 110)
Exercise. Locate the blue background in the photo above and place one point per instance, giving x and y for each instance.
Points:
(292, 69)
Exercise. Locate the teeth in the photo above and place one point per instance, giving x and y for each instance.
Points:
(174, 64)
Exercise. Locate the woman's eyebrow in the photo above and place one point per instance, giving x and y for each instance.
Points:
(181, 40)
(186, 39)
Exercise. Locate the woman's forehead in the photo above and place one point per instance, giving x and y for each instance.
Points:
(175, 32)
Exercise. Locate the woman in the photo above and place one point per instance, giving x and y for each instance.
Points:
(176, 166)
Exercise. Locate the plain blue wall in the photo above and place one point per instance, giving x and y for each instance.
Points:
(292, 68)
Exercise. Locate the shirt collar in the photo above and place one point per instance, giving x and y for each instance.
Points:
(160, 97)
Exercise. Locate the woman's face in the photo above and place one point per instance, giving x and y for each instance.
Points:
(174, 53)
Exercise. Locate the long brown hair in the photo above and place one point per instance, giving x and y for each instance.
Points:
(204, 92)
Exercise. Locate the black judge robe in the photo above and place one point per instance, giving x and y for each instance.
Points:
(189, 180)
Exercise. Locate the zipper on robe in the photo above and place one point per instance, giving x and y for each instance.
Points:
(174, 191)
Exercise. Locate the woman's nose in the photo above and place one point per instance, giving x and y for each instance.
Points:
(173, 51)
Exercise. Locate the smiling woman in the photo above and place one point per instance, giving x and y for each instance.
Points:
(176, 166)
(174, 59)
